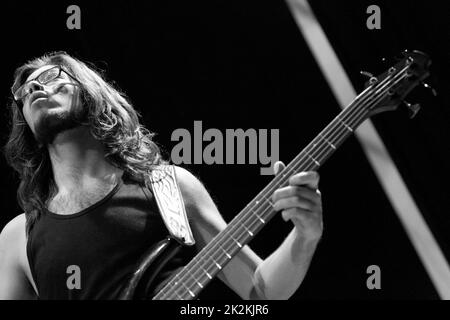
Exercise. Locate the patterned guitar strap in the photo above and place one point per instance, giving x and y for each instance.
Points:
(168, 196)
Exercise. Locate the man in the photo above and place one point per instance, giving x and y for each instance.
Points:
(82, 156)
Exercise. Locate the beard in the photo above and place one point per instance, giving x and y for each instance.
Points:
(51, 124)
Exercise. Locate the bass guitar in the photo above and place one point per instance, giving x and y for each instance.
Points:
(382, 93)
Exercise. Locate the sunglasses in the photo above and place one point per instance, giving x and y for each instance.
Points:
(45, 77)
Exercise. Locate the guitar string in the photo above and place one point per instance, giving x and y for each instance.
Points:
(270, 207)
(308, 154)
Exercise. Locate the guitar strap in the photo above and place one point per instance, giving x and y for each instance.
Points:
(163, 183)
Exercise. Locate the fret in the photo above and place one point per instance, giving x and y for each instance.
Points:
(264, 198)
(345, 125)
(217, 265)
(237, 242)
(196, 281)
(206, 272)
(327, 141)
(189, 290)
(226, 253)
(260, 219)
(268, 200)
(175, 291)
(313, 159)
(248, 230)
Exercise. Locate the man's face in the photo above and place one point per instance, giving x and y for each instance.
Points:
(53, 107)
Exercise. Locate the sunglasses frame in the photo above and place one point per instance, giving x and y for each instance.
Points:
(61, 69)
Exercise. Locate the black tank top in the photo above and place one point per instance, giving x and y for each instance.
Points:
(100, 245)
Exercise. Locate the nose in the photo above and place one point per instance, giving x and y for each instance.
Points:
(35, 86)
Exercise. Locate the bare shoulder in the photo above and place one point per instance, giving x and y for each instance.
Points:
(13, 241)
(15, 276)
(194, 192)
(14, 232)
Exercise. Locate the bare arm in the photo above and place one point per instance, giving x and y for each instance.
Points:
(277, 277)
(14, 283)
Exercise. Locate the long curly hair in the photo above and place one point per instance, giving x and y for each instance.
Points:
(111, 118)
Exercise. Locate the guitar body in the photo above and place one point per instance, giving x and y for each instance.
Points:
(153, 260)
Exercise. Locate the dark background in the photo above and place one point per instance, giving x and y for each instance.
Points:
(244, 64)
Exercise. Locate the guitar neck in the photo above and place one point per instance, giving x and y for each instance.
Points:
(188, 283)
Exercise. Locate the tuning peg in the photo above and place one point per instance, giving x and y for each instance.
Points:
(366, 74)
(405, 54)
(372, 78)
(413, 108)
(433, 92)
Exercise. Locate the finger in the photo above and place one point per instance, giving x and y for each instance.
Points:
(306, 178)
(278, 167)
(295, 202)
(301, 191)
(289, 214)
(296, 214)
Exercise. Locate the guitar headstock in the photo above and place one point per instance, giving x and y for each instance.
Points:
(390, 88)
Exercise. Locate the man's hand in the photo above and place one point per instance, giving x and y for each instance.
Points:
(301, 203)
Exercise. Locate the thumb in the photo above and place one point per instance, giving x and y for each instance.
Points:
(278, 167)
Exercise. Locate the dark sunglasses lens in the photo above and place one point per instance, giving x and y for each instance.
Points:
(48, 75)
(19, 93)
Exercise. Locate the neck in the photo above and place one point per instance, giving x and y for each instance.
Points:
(78, 161)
